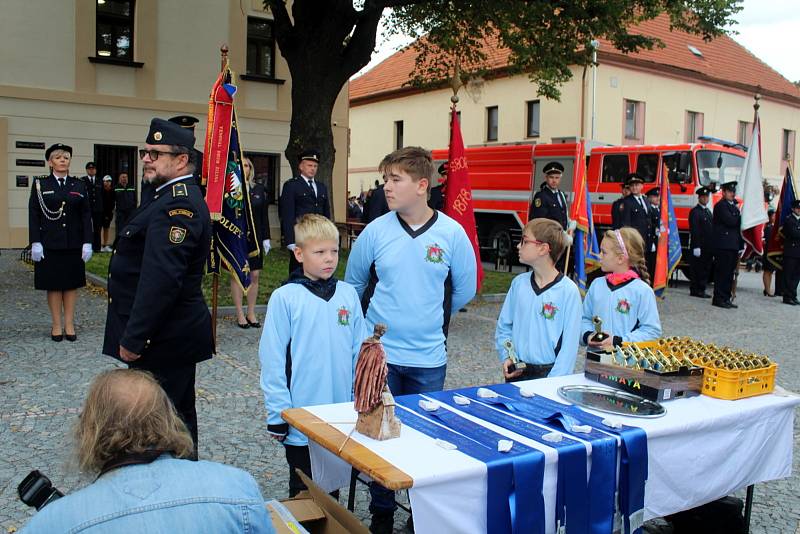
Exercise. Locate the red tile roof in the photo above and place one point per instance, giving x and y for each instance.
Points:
(723, 61)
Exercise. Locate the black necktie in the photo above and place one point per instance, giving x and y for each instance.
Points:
(60, 182)
(311, 185)
(641, 201)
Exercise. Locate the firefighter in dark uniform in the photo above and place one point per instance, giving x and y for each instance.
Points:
(157, 317)
(94, 191)
(124, 201)
(550, 203)
(436, 198)
(653, 197)
(616, 208)
(700, 243)
(636, 213)
(60, 233)
(300, 195)
(727, 242)
(791, 255)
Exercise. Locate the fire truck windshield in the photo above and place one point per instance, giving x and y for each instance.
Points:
(718, 167)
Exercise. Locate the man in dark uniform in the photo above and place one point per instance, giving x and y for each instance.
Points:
(653, 199)
(376, 204)
(636, 213)
(300, 195)
(727, 242)
(791, 255)
(700, 242)
(124, 201)
(616, 208)
(157, 317)
(94, 191)
(436, 198)
(550, 203)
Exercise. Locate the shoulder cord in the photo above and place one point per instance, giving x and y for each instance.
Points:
(47, 212)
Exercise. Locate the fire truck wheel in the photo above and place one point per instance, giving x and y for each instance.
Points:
(502, 242)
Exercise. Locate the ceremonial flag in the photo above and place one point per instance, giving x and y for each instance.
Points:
(668, 251)
(750, 189)
(775, 239)
(233, 236)
(587, 249)
(458, 191)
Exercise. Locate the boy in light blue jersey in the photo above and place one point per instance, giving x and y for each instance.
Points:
(542, 311)
(412, 267)
(311, 339)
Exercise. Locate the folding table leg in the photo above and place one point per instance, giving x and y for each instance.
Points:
(351, 496)
(748, 507)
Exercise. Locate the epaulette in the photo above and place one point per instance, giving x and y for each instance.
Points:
(179, 190)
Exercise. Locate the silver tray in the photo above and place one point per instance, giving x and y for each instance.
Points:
(610, 400)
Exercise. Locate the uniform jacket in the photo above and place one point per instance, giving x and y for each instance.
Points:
(258, 204)
(297, 199)
(700, 228)
(376, 205)
(125, 198)
(791, 237)
(655, 223)
(155, 299)
(546, 205)
(70, 230)
(95, 193)
(160, 497)
(616, 213)
(634, 215)
(726, 222)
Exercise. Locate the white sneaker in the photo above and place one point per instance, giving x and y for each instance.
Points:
(105, 249)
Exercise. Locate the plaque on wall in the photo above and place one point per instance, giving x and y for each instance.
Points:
(22, 181)
(30, 163)
(30, 144)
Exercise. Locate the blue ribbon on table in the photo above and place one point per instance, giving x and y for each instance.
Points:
(633, 461)
(514, 479)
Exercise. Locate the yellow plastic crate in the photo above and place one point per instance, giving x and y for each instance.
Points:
(733, 385)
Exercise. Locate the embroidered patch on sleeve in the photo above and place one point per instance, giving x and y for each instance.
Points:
(177, 234)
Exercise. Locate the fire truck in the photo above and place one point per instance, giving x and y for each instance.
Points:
(504, 179)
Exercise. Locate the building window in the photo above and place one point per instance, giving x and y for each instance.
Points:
(633, 120)
(492, 116)
(745, 133)
(260, 47)
(787, 149)
(532, 128)
(115, 29)
(398, 135)
(694, 126)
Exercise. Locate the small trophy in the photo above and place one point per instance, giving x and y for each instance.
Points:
(511, 354)
(599, 336)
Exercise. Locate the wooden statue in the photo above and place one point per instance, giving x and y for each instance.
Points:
(373, 400)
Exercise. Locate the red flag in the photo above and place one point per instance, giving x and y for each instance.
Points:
(661, 274)
(458, 191)
(218, 135)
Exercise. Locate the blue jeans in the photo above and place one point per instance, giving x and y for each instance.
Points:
(404, 381)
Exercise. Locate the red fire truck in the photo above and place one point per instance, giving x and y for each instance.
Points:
(504, 179)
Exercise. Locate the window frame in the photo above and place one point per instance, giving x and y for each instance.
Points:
(744, 133)
(399, 132)
(490, 110)
(115, 21)
(259, 40)
(529, 107)
(694, 125)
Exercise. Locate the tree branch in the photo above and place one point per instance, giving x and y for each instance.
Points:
(284, 29)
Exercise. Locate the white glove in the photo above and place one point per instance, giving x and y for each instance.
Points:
(291, 247)
(37, 251)
(572, 225)
(653, 247)
(267, 246)
(86, 252)
(567, 239)
(696, 252)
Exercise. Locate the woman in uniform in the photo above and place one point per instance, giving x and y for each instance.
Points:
(60, 232)
(258, 205)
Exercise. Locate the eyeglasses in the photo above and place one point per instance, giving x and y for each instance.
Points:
(155, 153)
(526, 240)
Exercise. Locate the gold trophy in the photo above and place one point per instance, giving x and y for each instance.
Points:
(599, 336)
(511, 354)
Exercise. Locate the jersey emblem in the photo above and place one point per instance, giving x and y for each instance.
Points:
(435, 253)
(177, 234)
(537, 202)
(549, 311)
(623, 306)
(343, 316)
(179, 190)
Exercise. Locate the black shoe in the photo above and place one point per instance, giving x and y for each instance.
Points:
(71, 337)
(57, 338)
(382, 523)
(703, 295)
(721, 304)
(791, 302)
(253, 324)
(732, 305)
(242, 325)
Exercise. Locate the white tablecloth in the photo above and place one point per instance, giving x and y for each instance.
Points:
(701, 450)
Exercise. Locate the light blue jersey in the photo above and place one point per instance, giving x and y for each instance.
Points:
(412, 280)
(322, 339)
(543, 323)
(628, 310)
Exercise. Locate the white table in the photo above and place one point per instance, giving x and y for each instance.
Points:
(701, 450)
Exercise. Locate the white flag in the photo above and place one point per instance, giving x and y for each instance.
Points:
(751, 190)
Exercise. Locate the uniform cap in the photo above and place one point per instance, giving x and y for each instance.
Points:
(795, 204)
(57, 146)
(91, 165)
(553, 167)
(164, 132)
(184, 121)
(442, 168)
(702, 191)
(311, 155)
(633, 178)
(729, 186)
(653, 192)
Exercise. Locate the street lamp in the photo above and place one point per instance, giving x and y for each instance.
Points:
(595, 44)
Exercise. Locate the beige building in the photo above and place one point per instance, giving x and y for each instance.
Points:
(668, 95)
(92, 73)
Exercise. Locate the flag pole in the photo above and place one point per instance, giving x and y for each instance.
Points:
(223, 52)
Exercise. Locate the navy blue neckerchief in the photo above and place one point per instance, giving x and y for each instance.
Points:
(633, 460)
(514, 501)
(324, 289)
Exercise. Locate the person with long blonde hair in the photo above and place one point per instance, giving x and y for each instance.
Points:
(259, 206)
(623, 298)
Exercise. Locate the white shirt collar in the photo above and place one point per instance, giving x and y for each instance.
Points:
(179, 178)
(60, 177)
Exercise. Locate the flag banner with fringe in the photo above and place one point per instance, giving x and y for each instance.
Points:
(668, 252)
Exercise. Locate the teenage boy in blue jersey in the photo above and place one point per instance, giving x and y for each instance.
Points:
(542, 311)
(311, 339)
(412, 267)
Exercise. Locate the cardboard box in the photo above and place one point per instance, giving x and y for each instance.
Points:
(317, 512)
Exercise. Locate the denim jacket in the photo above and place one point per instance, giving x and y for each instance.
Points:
(165, 496)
